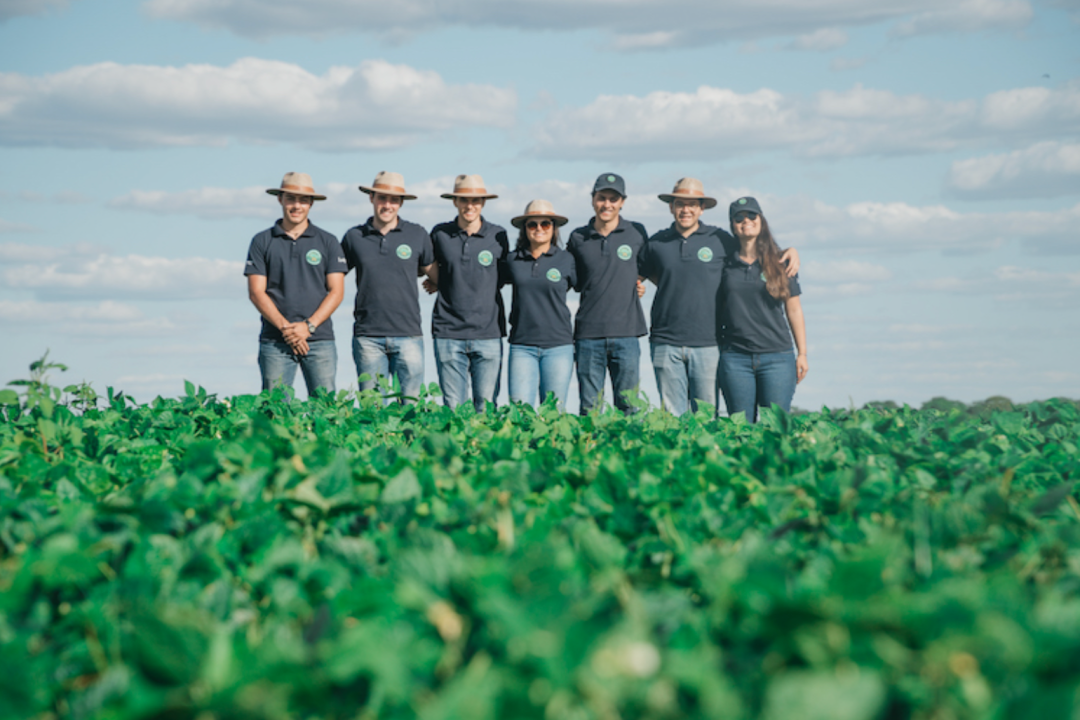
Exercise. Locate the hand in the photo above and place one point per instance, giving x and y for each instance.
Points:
(640, 289)
(295, 332)
(429, 287)
(300, 348)
(790, 257)
(802, 366)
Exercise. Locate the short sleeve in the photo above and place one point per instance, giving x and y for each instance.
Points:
(427, 252)
(572, 276)
(644, 261)
(336, 262)
(256, 258)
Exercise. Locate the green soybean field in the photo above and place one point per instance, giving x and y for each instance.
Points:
(263, 558)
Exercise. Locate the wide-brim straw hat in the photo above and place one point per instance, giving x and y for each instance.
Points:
(538, 209)
(297, 184)
(388, 183)
(469, 186)
(689, 189)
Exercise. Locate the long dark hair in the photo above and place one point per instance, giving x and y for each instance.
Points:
(768, 252)
(523, 238)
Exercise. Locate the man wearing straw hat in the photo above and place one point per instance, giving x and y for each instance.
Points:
(609, 319)
(296, 279)
(468, 322)
(388, 253)
(685, 262)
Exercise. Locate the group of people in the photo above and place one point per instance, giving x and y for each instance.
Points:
(724, 316)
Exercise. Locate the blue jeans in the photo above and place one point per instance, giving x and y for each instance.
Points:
(462, 361)
(400, 357)
(277, 364)
(548, 368)
(598, 356)
(685, 375)
(750, 381)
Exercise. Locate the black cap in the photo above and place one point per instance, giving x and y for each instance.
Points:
(610, 181)
(744, 204)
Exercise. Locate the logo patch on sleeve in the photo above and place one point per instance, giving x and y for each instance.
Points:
(554, 275)
(314, 257)
(624, 252)
(704, 254)
(485, 258)
(404, 252)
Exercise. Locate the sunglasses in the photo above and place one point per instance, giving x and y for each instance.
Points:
(533, 224)
(748, 215)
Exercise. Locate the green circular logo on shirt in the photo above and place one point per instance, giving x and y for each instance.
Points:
(704, 254)
(314, 257)
(763, 278)
(485, 258)
(404, 252)
(624, 252)
(554, 275)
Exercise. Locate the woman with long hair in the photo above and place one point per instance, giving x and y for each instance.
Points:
(541, 335)
(759, 315)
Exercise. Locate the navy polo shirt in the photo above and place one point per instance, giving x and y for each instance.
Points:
(752, 320)
(538, 313)
(387, 268)
(687, 273)
(295, 273)
(607, 280)
(469, 306)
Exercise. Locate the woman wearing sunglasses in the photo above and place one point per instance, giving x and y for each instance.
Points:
(541, 336)
(759, 314)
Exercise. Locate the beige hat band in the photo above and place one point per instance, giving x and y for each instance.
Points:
(388, 188)
(298, 189)
(684, 191)
(470, 191)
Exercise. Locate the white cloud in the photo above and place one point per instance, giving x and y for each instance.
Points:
(842, 278)
(969, 16)
(1046, 169)
(107, 318)
(860, 121)
(1014, 284)
(822, 40)
(374, 106)
(15, 8)
(10, 227)
(634, 24)
(131, 276)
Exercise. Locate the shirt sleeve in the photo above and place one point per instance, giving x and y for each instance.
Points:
(346, 250)
(427, 252)
(571, 276)
(256, 258)
(793, 286)
(336, 262)
(644, 261)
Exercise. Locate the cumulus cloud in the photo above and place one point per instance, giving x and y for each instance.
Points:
(15, 8)
(1014, 284)
(842, 278)
(373, 106)
(821, 40)
(633, 24)
(968, 16)
(106, 318)
(51, 275)
(1046, 169)
(10, 227)
(859, 121)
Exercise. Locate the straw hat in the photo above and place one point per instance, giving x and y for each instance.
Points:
(297, 184)
(538, 209)
(689, 189)
(388, 183)
(469, 186)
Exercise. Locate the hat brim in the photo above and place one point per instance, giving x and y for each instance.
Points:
(384, 191)
(520, 220)
(451, 196)
(707, 203)
(278, 191)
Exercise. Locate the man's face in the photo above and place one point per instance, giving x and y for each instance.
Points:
(468, 208)
(386, 207)
(295, 208)
(607, 204)
(686, 213)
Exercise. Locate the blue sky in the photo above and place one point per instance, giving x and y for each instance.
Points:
(923, 156)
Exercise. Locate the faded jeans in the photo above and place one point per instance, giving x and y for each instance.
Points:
(278, 363)
(685, 375)
(547, 368)
(750, 381)
(464, 362)
(399, 357)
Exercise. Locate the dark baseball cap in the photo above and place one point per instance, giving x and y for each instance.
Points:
(744, 204)
(610, 181)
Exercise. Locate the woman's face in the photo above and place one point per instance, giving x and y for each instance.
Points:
(747, 224)
(539, 230)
